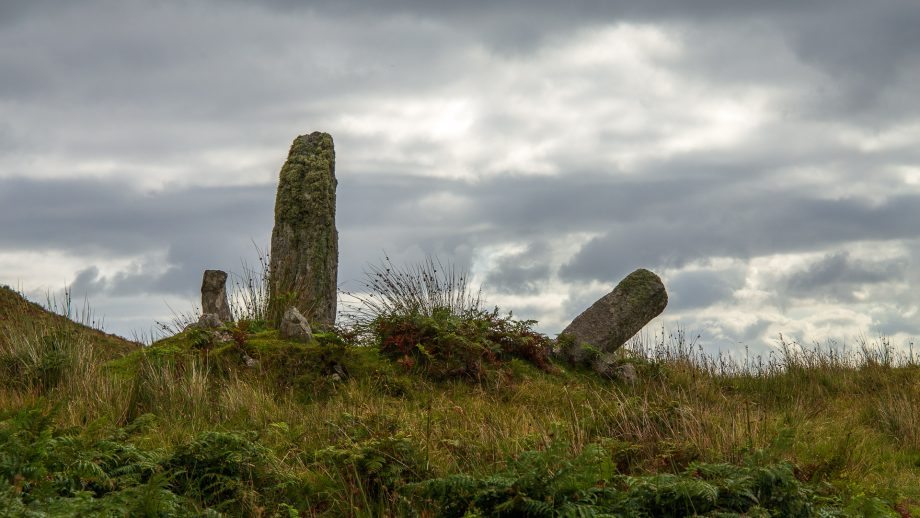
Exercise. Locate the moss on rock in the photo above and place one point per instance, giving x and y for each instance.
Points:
(304, 247)
(617, 316)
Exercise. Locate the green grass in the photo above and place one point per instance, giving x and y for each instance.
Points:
(21, 321)
(241, 423)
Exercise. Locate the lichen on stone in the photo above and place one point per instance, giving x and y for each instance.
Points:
(304, 248)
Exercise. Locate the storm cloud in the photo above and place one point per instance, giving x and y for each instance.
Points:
(760, 156)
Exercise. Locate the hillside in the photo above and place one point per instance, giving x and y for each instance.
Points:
(468, 420)
(21, 318)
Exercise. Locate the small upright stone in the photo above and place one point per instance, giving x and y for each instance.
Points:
(620, 314)
(295, 327)
(304, 247)
(214, 295)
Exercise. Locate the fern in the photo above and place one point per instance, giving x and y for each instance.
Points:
(375, 465)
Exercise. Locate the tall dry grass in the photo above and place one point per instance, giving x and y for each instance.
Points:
(837, 414)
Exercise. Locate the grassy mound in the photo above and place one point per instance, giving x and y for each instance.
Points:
(242, 351)
(456, 413)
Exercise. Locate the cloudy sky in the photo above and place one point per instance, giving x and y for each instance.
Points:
(761, 157)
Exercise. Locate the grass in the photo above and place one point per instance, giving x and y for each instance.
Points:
(424, 288)
(241, 423)
(21, 321)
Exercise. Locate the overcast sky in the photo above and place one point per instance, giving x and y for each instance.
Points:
(762, 157)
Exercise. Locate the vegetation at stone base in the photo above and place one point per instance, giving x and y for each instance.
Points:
(427, 319)
(446, 346)
(426, 288)
(237, 422)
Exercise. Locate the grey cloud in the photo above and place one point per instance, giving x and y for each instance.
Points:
(161, 83)
(645, 224)
(521, 272)
(866, 50)
(190, 86)
(195, 227)
(163, 99)
(856, 42)
(86, 215)
(755, 331)
(212, 227)
(742, 227)
(838, 275)
(702, 288)
(893, 322)
(840, 266)
(88, 282)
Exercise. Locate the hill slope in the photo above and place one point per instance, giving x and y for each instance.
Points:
(22, 318)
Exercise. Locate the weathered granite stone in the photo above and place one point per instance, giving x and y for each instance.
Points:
(620, 314)
(610, 365)
(295, 327)
(214, 295)
(209, 321)
(304, 247)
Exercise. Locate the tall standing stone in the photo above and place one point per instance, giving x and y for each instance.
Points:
(214, 295)
(304, 248)
(620, 314)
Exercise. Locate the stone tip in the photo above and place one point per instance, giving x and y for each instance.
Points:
(315, 138)
(213, 278)
(644, 273)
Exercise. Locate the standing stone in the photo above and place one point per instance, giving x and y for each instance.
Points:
(304, 248)
(214, 295)
(620, 314)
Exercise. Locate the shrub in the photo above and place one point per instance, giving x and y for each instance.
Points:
(222, 469)
(426, 318)
(48, 472)
(552, 483)
(444, 345)
(537, 483)
(425, 289)
(376, 466)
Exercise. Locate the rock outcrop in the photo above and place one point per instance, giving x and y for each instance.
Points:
(295, 327)
(304, 246)
(618, 315)
(214, 295)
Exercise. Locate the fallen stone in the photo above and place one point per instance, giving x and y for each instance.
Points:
(214, 295)
(304, 247)
(295, 327)
(620, 314)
